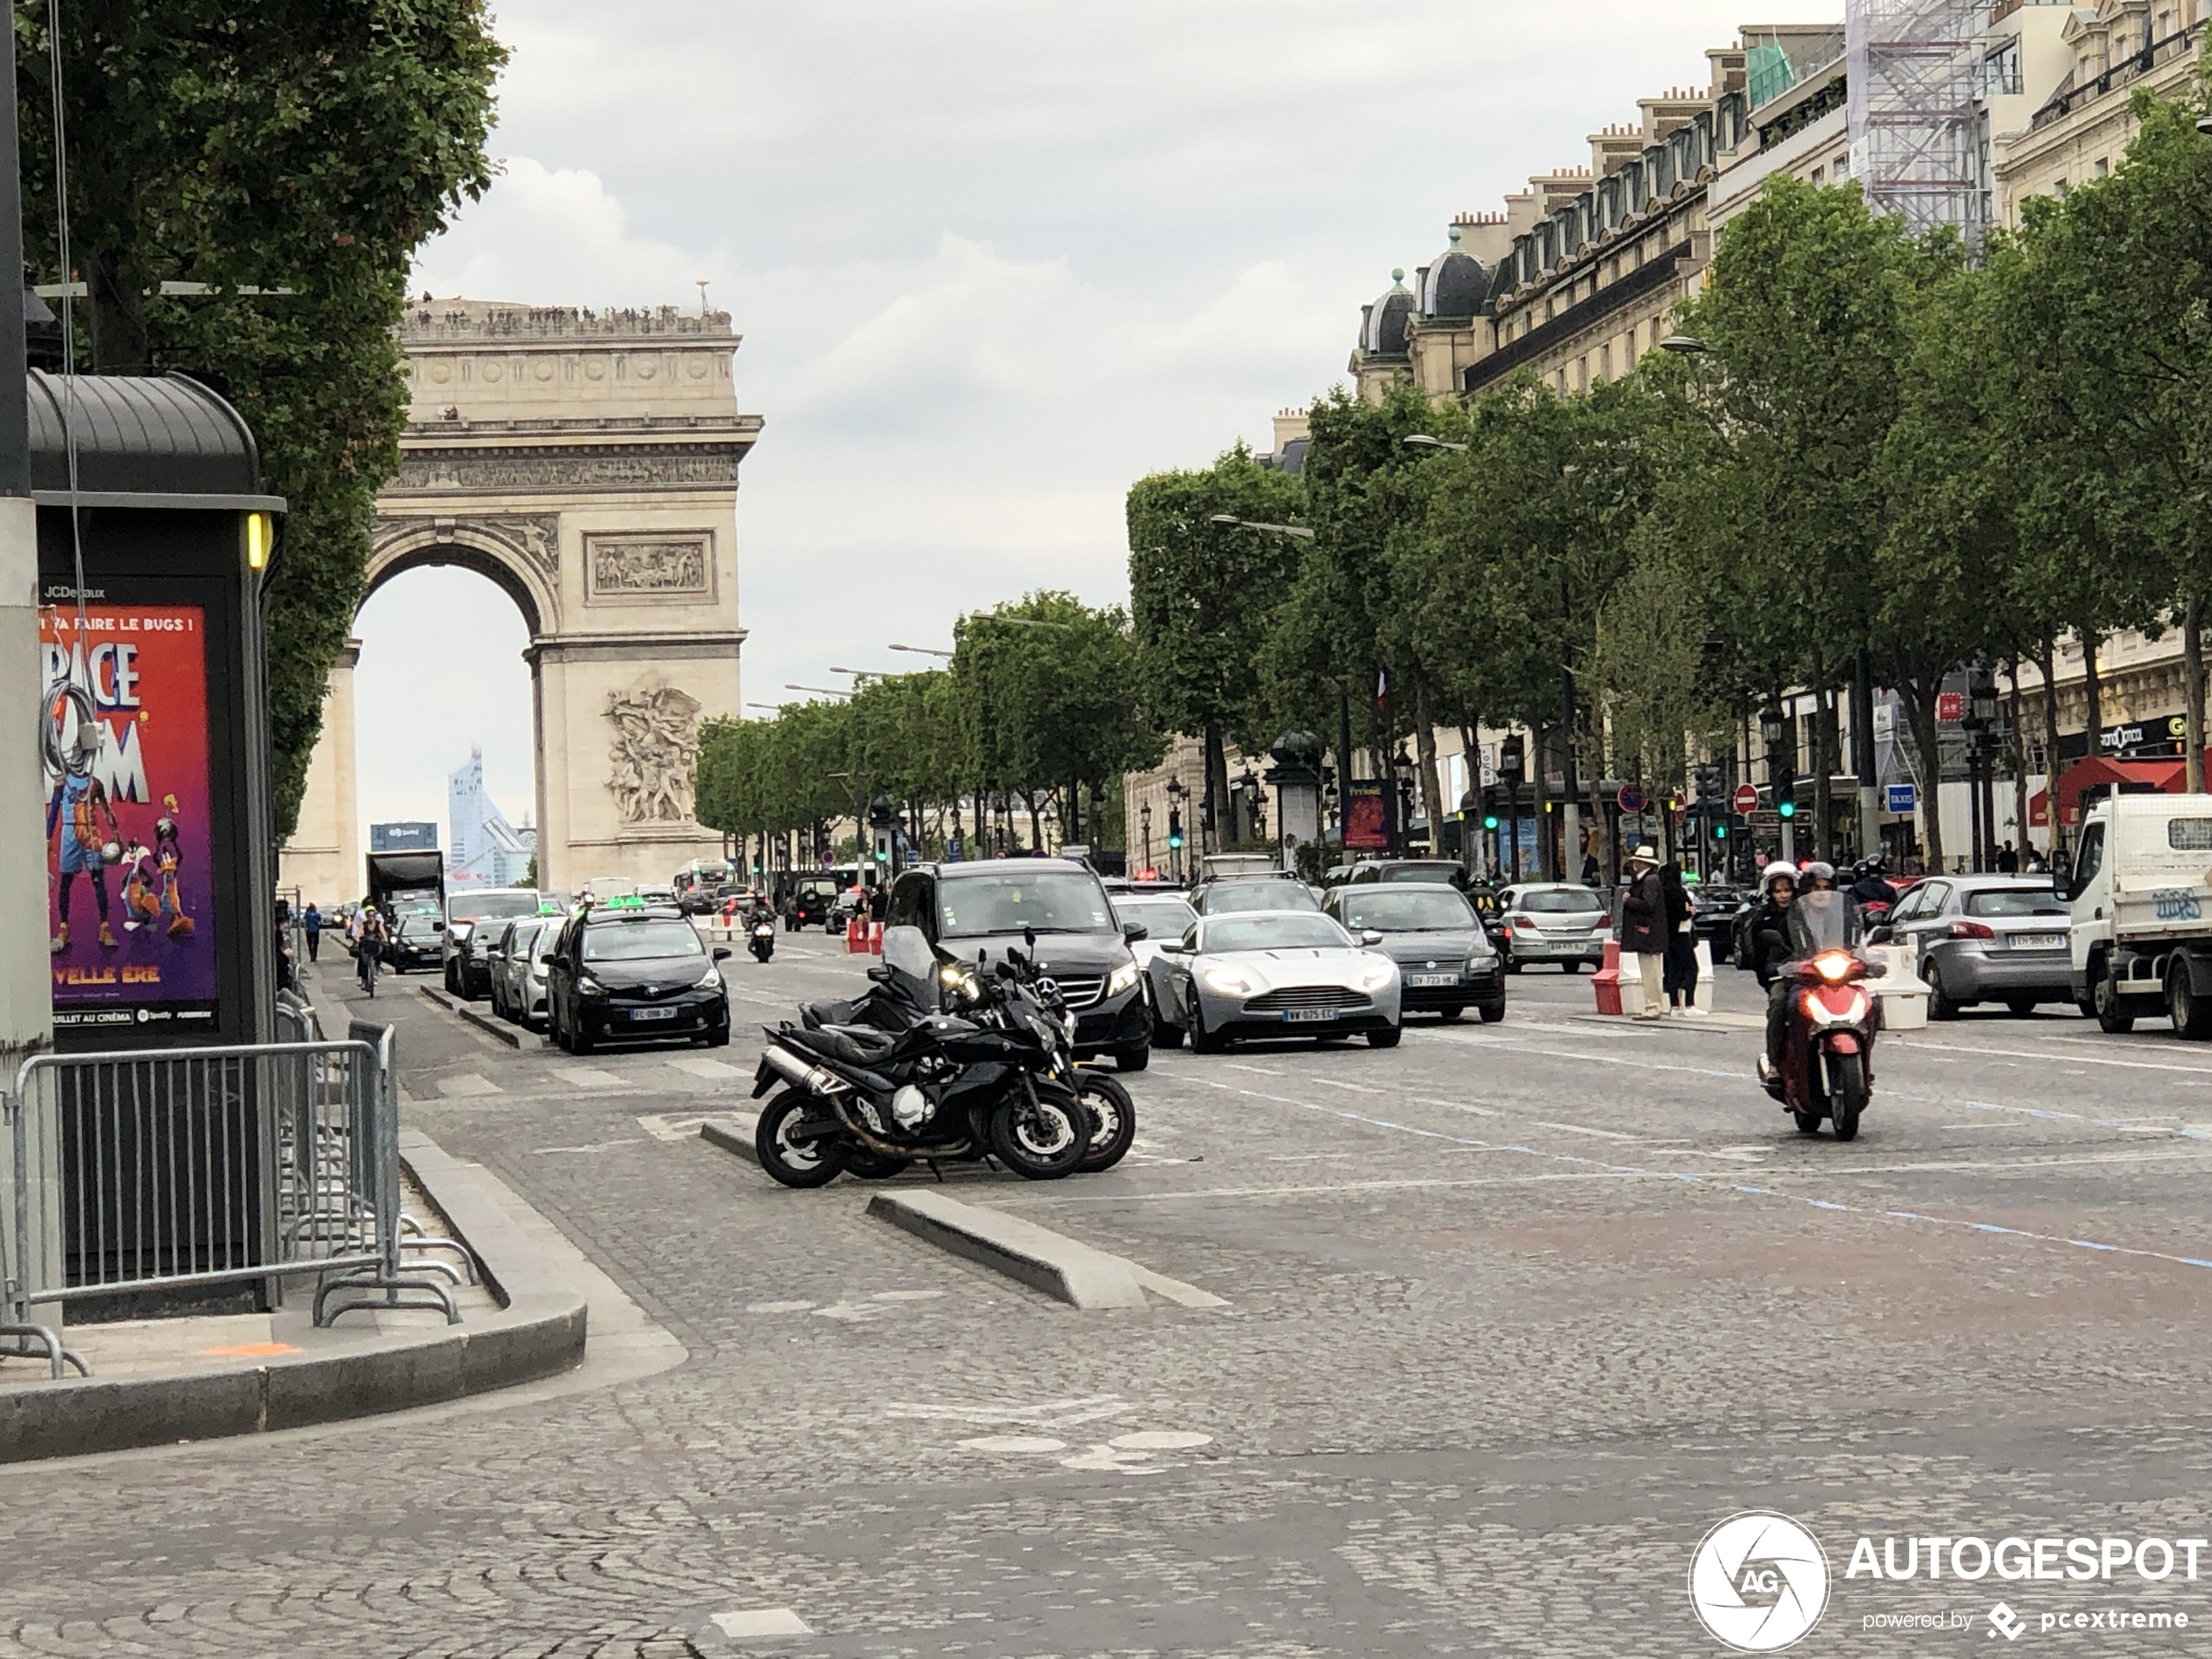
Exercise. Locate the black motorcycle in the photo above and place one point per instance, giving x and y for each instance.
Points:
(855, 1095)
(762, 939)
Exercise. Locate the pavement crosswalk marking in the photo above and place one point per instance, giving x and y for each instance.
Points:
(700, 1067)
(590, 1077)
(467, 1085)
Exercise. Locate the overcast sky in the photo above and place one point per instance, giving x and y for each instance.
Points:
(992, 260)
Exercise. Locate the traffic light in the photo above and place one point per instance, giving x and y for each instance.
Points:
(1787, 809)
(1512, 760)
(1175, 829)
(1490, 821)
(1720, 831)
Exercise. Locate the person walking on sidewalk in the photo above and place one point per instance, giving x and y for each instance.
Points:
(1643, 929)
(311, 924)
(1682, 943)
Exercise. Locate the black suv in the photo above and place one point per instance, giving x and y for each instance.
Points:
(983, 908)
(625, 971)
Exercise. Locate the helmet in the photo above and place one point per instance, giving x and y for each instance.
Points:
(1780, 870)
(1820, 870)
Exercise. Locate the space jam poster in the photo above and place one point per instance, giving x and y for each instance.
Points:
(127, 869)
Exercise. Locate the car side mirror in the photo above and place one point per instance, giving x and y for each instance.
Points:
(1133, 931)
(721, 953)
(1369, 936)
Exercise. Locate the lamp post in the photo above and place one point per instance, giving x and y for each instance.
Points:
(1177, 795)
(1401, 787)
(817, 691)
(1424, 440)
(1144, 824)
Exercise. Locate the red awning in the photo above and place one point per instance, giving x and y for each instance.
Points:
(2159, 777)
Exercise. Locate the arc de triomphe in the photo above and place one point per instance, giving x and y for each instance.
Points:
(587, 465)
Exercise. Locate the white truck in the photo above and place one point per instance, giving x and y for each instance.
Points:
(2141, 897)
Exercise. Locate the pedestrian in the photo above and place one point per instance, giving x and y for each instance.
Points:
(311, 923)
(1590, 867)
(1682, 943)
(2008, 861)
(1643, 929)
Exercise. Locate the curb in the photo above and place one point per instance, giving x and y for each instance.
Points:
(1073, 1273)
(739, 1140)
(538, 1332)
(513, 1035)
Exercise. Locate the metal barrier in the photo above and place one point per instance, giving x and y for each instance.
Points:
(190, 1167)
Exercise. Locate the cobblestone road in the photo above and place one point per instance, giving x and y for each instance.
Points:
(1516, 1314)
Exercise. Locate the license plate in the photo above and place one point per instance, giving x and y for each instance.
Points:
(2039, 941)
(1429, 982)
(1308, 1016)
(652, 1014)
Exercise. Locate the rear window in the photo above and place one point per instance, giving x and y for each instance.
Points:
(1414, 910)
(2015, 901)
(1424, 873)
(492, 907)
(1564, 902)
(1224, 898)
(1161, 918)
(2190, 834)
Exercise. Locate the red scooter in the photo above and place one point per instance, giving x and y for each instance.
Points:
(1828, 1044)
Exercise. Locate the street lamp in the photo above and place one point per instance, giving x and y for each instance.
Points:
(1684, 345)
(924, 650)
(860, 673)
(819, 690)
(1144, 824)
(1423, 441)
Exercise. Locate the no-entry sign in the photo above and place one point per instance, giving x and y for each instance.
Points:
(1747, 798)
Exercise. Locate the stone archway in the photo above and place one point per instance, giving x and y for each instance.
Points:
(588, 466)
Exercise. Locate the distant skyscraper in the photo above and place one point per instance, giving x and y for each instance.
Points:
(484, 849)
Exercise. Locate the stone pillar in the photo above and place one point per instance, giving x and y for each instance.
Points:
(323, 857)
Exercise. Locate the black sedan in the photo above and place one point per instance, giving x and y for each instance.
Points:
(420, 942)
(627, 973)
(1717, 910)
(1446, 961)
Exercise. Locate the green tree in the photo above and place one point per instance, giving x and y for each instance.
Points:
(1202, 597)
(309, 145)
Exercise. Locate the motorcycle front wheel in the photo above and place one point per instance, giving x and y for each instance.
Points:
(1043, 1141)
(1113, 1122)
(1846, 1093)
(816, 1163)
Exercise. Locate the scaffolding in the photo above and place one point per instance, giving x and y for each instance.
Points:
(1915, 119)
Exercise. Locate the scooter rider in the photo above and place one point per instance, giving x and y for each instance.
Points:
(1872, 886)
(1771, 952)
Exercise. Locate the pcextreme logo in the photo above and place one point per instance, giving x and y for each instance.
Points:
(1759, 1581)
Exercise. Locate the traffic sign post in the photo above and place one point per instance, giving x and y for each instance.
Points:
(1631, 799)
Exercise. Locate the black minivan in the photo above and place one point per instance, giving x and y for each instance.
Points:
(983, 908)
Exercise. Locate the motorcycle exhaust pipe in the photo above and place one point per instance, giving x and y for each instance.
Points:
(811, 1078)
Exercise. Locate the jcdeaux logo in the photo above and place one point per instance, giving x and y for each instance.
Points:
(1759, 1581)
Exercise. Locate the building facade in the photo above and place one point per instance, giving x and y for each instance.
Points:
(483, 849)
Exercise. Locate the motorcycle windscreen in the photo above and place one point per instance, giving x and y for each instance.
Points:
(908, 954)
(1822, 921)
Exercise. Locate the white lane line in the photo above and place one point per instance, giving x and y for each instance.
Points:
(1581, 1129)
(1264, 1071)
(466, 1085)
(595, 1146)
(2093, 1059)
(704, 1067)
(590, 1077)
(667, 1126)
(762, 1622)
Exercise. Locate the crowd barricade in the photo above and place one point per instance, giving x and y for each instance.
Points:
(136, 1173)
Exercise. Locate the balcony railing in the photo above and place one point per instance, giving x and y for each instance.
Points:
(2133, 67)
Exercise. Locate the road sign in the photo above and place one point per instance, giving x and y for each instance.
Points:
(1631, 798)
(1903, 798)
(1747, 798)
(1950, 707)
(1768, 822)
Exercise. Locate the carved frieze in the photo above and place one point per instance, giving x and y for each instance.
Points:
(672, 567)
(607, 468)
(535, 537)
(656, 753)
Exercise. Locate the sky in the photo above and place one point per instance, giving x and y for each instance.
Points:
(993, 261)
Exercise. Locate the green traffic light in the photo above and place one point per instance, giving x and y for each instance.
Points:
(1788, 809)
(1720, 832)
(1175, 844)
(1491, 822)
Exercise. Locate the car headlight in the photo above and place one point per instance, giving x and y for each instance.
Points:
(1378, 973)
(587, 986)
(1228, 981)
(712, 978)
(1121, 979)
(1480, 963)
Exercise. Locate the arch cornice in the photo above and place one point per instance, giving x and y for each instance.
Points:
(520, 552)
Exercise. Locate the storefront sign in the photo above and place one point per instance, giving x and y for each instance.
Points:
(127, 827)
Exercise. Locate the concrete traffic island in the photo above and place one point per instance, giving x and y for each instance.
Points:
(530, 1326)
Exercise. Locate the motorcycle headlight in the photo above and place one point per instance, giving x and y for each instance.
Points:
(709, 981)
(589, 987)
(1378, 973)
(1228, 981)
(1832, 965)
(1121, 979)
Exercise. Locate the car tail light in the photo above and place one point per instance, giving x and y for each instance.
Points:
(1972, 930)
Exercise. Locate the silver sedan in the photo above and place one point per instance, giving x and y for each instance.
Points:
(1271, 974)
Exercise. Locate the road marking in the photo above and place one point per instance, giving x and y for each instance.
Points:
(590, 1077)
(1159, 1440)
(1053, 1413)
(2095, 1059)
(1582, 1128)
(669, 1126)
(466, 1085)
(1357, 1088)
(1019, 1444)
(762, 1622)
(1175, 1290)
(596, 1146)
(698, 1066)
(1264, 1071)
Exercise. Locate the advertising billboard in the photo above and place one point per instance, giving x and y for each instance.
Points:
(1364, 828)
(127, 824)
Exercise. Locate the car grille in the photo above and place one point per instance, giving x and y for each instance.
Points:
(1080, 990)
(1305, 996)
